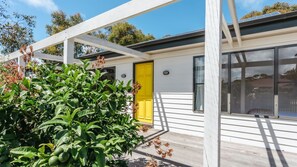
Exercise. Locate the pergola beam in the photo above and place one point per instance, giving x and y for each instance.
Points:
(48, 57)
(120, 13)
(232, 10)
(226, 31)
(103, 44)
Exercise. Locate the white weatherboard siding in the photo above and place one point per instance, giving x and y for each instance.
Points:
(126, 69)
(173, 97)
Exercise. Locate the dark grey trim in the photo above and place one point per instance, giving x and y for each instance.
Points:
(229, 75)
(276, 70)
(256, 26)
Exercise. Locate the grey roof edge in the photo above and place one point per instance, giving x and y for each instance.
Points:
(255, 26)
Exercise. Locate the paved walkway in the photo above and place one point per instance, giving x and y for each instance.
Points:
(188, 151)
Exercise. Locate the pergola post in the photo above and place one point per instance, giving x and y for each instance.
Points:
(68, 54)
(212, 111)
(21, 63)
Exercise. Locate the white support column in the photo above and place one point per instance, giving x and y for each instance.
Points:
(21, 63)
(68, 56)
(212, 109)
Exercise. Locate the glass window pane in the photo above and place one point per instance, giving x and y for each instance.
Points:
(199, 83)
(252, 82)
(288, 64)
(199, 70)
(199, 95)
(287, 94)
(109, 73)
(287, 87)
(224, 91)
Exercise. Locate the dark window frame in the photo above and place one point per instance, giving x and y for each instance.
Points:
(275, 80)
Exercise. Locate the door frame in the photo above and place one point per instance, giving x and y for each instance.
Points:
(153, 86)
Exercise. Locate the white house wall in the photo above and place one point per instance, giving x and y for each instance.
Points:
(173, 100)
(173, 96)
(127, 69)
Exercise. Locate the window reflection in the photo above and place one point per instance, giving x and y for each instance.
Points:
(249, 79)
(199, 83)
(252, 82)
(224, 90)
(287, 86)
(109, 73)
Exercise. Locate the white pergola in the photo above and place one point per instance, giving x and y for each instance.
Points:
(215, 24)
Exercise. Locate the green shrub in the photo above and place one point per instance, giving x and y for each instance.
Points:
(65, 117)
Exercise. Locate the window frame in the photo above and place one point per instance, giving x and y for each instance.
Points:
(275, 82)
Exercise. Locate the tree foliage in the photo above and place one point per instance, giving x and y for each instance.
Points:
(60, 22)
(127, 34)
(64, 116)
(281, 7)
(16, 29)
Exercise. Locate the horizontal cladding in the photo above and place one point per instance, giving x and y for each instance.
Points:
(174, 112)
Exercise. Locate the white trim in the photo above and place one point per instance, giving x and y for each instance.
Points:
(48, 57)
(232, 10)
(120, 13)
(226, 31)
(103, 44)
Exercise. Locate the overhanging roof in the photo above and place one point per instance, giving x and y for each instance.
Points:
(256, 26)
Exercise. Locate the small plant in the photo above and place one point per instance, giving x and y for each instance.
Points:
(152, 163)
(161, 147)
(143, 128)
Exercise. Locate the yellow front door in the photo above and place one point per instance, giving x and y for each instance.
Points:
(144, 97)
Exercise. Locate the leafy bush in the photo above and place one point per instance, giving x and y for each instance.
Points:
(64, 116)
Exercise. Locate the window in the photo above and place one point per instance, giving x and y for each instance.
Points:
(109, 73)
(199, 83)
(252, 82)
(287, 82)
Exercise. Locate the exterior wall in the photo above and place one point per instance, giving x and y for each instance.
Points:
(173, 100)
(173, 111)
(127, 69)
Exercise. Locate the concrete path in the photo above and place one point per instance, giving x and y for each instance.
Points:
(188, 151)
